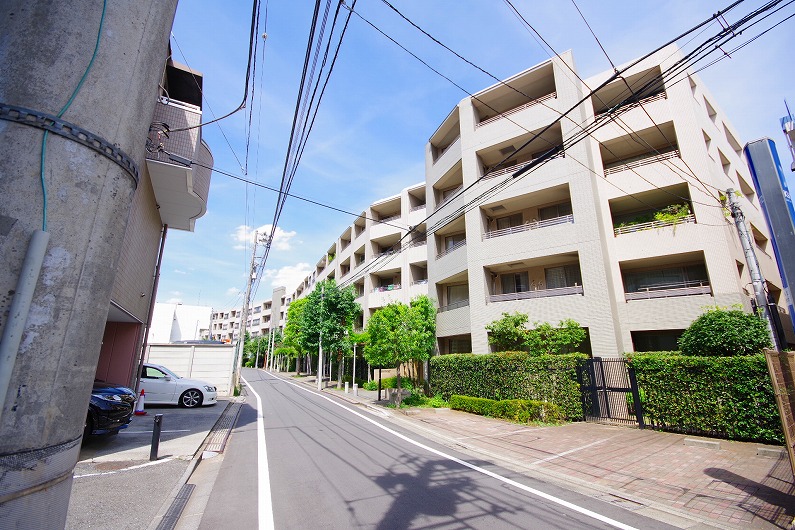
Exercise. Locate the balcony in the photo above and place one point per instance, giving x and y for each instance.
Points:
(515, 110)
(454, 305)
(451, 249)
(537, 293)
(639, 227)
(180, 184)
(529, 225)
(385, 288)
(448, 196)
(685, 288)
(639, 161)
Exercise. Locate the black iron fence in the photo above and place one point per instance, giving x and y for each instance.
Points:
(609, 392)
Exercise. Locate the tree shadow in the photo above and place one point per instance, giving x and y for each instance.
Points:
(771, 504)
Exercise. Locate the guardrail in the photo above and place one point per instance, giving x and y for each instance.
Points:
(538, 293)
(529, 225)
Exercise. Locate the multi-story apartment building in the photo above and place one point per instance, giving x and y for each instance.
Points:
(577, 237)
(621, 226)
(262, 318)
(366, 255)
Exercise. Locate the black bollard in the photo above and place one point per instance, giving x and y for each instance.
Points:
(156, 436)
(379, 384)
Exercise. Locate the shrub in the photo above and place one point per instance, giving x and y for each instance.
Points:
(726, 397)
(722, 332)
(388, 382)
(510, 375)
(517, 410)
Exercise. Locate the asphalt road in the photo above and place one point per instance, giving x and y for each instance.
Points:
(332, 465)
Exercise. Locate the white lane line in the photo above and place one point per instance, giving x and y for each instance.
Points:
(519, 485)
(150, 432)
(139, 466)
(264, 501)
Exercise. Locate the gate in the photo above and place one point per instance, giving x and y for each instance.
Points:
(609, 392)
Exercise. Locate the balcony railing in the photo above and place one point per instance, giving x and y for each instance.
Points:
(385, 288)
(390, 218)
(454, 305)
(529, 225)
(420, 282)
(653, 224)
(520, 108)
(687, 288)
(632, 163)
(441, 153)
(450, 195)
(507, 170)
(609, 111)
(418, 242)
(453, 248)
(538, 293)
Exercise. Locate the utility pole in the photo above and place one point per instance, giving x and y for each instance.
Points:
(75, 68)
(244, 317)
(320, 342)
(757, 280)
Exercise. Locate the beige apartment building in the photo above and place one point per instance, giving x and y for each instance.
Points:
(623, 231)
(577, 237)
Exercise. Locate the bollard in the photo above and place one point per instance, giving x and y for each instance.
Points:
(346, 387)
(156, 436)
(355, 389)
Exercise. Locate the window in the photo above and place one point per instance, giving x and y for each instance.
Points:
(457, 293)
(555, 211)
(670, 278)
(451, 241)
(150, 372)
(566, 276)
(509, 221)
(516, 282)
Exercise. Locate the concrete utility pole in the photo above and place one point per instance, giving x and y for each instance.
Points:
(66, 66)
(757, 280)
(241, 341)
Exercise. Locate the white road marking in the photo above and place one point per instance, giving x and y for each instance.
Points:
(264, 501)
(519, 485)
(564, 453)
(150, 432)
(139, 466)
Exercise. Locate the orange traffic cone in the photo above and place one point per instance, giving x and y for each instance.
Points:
(139, 405)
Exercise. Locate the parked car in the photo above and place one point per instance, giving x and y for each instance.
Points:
(110, 409)
(161, 386)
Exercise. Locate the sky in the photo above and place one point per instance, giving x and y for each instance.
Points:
(382, 105)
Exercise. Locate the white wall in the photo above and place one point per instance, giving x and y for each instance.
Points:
(213, 363)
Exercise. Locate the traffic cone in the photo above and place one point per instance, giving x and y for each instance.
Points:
(139, 405)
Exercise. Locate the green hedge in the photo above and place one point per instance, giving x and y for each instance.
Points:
(389, 382)
(726, 397)
(518, 410)
(510, 375)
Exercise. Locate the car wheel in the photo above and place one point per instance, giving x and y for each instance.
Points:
(191, 398)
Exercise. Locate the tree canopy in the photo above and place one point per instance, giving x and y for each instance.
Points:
(510, 333)
(332, 311)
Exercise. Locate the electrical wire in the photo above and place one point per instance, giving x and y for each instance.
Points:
(42, 160)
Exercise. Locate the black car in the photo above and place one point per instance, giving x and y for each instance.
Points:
(110, 409)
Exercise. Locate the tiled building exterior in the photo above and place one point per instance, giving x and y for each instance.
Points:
(576, 237)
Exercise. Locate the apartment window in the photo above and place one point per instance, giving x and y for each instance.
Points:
(258, 309)
(509, 221)
(451, 241)
(255, 322)
(555, 211)
(515, 282)
(674, 277)
(566, 276)
(457, 293)
(460, 345)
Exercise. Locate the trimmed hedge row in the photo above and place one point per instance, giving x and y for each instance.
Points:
(518, 410)
(727, 397)
(389, 382)
(510, 375)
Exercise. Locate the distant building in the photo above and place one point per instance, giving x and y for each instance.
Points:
(178, 322)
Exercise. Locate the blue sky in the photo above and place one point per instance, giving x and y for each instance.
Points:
(382, 105)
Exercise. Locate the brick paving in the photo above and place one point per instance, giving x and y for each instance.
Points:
(730, 486)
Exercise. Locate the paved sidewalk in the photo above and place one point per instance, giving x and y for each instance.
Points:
(703, 481)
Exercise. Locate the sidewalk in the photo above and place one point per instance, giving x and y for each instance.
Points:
(687, 481)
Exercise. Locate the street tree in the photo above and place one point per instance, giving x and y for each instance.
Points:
(399, 333)
(328, 315)
(292, 330)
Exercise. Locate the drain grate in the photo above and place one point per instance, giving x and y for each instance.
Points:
(170, 519)
(216, 440)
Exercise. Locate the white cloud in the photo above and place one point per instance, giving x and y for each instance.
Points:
(233, 291)
(244, 237)
(288, 276)
(174, 300)
(177, 271)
